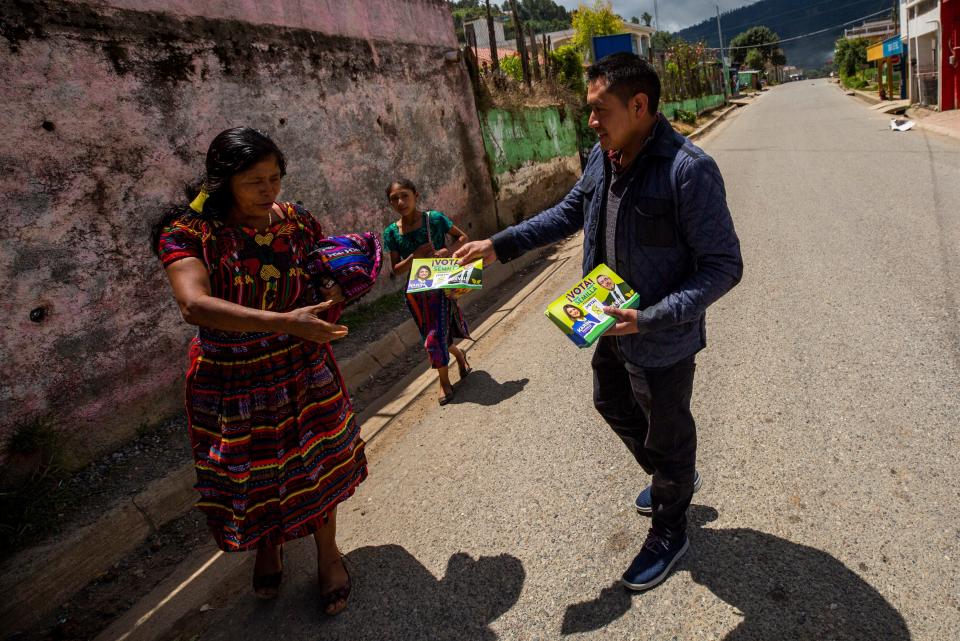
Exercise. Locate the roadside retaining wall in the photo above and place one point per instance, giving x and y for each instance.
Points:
(108, 109)
(534, 156)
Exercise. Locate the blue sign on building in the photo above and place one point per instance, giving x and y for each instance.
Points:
(605, 45)
(892, 47)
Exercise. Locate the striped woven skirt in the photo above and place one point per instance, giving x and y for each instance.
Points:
(440, 322)
(275, 443)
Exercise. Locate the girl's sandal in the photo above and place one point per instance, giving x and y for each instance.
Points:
(464, 371)
(267, 586)
(447, 397)
(341, 593)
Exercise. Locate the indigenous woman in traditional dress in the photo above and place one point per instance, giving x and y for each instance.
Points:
(423, 234)
(275, 442)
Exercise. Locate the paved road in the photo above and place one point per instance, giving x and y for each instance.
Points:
(828, 408)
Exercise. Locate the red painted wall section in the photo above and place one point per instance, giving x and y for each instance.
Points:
(950, 73)
(108, 108)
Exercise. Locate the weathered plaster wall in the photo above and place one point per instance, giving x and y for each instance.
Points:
(108, 110)
(528, 135)
(533, 152)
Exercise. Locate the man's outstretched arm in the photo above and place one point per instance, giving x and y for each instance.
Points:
(549, 226)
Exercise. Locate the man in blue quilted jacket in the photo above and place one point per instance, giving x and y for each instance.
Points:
(652, 206)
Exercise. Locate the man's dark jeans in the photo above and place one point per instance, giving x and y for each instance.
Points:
(649, 409)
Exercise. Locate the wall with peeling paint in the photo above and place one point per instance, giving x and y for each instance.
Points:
(534, 156)
(527, 135)
(108, 109)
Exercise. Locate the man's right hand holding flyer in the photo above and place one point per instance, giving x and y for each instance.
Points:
(475, 250)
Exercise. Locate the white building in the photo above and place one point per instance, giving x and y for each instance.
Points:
(482, 31)
(920, 30)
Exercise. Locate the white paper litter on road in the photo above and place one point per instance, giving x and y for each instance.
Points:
(901, 124)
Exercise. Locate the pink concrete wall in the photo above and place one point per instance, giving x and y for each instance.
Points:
(413, 21)
(107, 114)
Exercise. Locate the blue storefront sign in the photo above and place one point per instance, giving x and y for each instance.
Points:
(892, 47)
(605, 45)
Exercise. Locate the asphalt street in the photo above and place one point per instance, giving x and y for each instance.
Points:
(827, 405)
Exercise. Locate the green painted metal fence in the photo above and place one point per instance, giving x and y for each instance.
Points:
(694, 105)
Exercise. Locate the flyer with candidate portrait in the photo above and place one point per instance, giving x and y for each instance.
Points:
(444, 273)
(579, 311)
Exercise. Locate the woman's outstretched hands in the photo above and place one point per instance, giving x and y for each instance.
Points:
(474, 250)
(305, 323)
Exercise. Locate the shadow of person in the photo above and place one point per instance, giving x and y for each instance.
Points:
(394, 597)
(784, 590)
(482, 389)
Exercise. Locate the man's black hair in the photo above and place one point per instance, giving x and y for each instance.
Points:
(628, 74)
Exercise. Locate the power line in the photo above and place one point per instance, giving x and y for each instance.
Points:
(812, 33)
(767, 19)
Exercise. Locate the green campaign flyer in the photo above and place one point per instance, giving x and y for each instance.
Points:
(444, 273)
(579, 311)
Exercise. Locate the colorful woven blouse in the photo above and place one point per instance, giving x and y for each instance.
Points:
(265, 270)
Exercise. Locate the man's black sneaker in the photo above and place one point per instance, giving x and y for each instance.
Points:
(654, 562)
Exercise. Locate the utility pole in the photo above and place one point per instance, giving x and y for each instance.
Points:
(656, 16)
(723, 58)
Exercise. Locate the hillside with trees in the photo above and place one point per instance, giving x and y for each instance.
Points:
(543, 16)
(788, 19)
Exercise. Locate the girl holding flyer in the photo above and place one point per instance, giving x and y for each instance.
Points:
(423, 234)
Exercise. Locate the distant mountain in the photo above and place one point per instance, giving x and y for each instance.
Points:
(789, 20)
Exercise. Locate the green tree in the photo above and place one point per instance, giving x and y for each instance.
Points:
(598, 20)
(647, 18)
(512, 66)
(763, 39)
(663, 41)
(543, 15)
(568, 63)
(685, 75)
(634, 20)
(850, 56)
(754, 60)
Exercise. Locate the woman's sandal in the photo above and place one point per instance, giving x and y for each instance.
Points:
(337, 594)
(267, 586)
(447, 397)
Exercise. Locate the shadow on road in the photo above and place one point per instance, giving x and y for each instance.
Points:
(482, 389)
(784, 590)
(395, 597)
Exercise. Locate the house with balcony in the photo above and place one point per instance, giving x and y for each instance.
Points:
(930, 29)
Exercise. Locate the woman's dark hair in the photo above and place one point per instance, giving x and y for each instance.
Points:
(231, 152)
(568, 306)
(404, 183)
(424, 267)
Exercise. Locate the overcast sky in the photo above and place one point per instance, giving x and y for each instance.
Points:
(674, 14)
